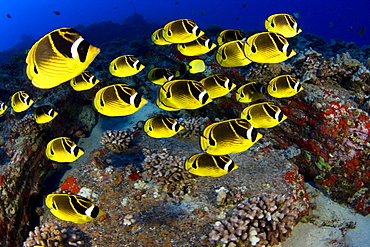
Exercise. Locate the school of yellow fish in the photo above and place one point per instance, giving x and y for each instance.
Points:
(64, 55)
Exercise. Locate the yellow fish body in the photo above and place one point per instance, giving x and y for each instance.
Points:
(231, 54)
(162, 127)
(63, 149)
(58, 57)
(126, 65)
(229, 136)
(160, 76)
(250, 92)
(196, 66)
(283, 24)
(44, 114)
(182, 94)
(72, 208)
(217, 85)
(118, 100)
(204, 164)
(3, 108)
(268, 47)
(181, 31)
(284, 86)
(85, 81)
(228, 35)
(263, 115)
(157, 37)
(20, 101)
(198, 47)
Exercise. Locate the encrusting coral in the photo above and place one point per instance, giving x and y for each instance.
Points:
(258, 221)
(116, 141)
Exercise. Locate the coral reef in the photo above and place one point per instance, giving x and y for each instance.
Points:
(193, 126)
(116, 141)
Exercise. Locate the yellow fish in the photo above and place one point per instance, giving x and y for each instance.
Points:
(162, 127)
(3, 108)
(268, 47)
(250, 92)
(182, 94)
(231, 54)
(284, 86)
(160, 75)
(58, 57)
(63, 149)
(217, 85)
(263, 115)
(126, 65)
(118, 100)
(158, 39)
(204, 164)
(196, 66)
(20, 101)
(72, 208)
(228, 35)
(85, 81)
(229, 136)
(181, 31)
(283, 24)
(198, 47)
(44, 114)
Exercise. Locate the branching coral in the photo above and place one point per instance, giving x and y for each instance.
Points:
(192, 126)
(116, 141)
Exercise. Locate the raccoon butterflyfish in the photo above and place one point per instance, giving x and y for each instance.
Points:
(196, 66)
(63, 149)
(284, 86)
(158, 39)
(58, 57)
(118, 100)
(181, 31)
(72, 208)
(268, 47)
(204, 164)
(85, 81)
(263, 115)
(3, 108)
(44, 114)
(250, 92)
(160, 75)
(126, 65)
(162, 127)
(182, 94)
(229, 136)
(283, 24)
(217, 85)
(228, 35)
(198, 47)
(231, 54)
(20, 101)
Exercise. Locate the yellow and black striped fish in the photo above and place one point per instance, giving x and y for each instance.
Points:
(20, 101)
(284, 86)
(85, 81)
(231, 54)
(229, 136)
(268, 47)
(198, 47)
(126, 65)
(162, 127)
(181, 31)
(118, 100)
(44, 114)
(58, 57)
(263, 115)
(157, 37)
(160, 75)
(63, 149)
(72, 208)
(250, 92)
(204, 164)
(283, 24)
(3, 108)
(217, 85)
(228, 35)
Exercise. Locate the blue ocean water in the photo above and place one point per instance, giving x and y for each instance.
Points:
(340, 19)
